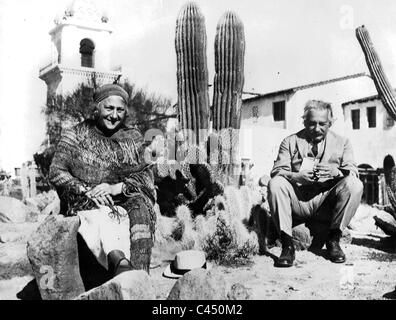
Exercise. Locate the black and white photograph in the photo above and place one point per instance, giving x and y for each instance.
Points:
(215, 150)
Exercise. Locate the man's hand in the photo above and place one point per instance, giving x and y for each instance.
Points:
(305, 177)
(326, 171)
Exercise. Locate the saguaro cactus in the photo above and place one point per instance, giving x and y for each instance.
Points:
(228, 85)
(192, 83)
(192, 70)
(229, 72)
(381, 82)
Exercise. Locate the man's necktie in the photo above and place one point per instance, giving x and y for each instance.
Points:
(315, 149)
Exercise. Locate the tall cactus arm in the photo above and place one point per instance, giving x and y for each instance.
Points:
(229, 72)
(385, 90)
(192, 70)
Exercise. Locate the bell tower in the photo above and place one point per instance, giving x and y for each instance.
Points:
(81, 46)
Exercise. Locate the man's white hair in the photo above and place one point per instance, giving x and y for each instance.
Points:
(318, 105)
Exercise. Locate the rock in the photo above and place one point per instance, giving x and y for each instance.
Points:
(14, 210)
(46, 203)
(9, 237)
(239, 292)
(53, 255)
(17, 232)
(9, 288)
(52, 208)
(301, 237)
(199, 284)
(131, 285)
(13, 261)
(387, 223)
(33, 205)
(45, 198)
(318, 232)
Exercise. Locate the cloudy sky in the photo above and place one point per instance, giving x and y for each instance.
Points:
(288, 43)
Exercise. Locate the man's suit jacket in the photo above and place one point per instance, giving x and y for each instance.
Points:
(337, 150)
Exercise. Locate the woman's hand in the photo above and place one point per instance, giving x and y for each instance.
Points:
(102, 194)
(105, 189)
(105, 200)
(100, 190)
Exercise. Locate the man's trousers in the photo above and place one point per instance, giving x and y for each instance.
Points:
(335, 205)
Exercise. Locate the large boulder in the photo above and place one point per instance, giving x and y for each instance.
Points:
(199, 284)
(131, 285)
(13, 261)
(53, 254)
(14, 210)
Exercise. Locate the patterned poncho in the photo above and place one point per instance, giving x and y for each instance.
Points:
(85, 157)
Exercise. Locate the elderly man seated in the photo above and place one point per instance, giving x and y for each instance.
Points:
(99, 173)
(314, 178)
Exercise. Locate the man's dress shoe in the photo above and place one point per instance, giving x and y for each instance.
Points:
(287, 257)
(335, 252)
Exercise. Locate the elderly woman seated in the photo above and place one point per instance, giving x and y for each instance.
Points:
(100, 175)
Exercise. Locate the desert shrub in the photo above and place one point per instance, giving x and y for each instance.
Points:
(221, 232)
(226, 246)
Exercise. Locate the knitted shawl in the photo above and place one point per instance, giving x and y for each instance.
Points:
(85, 157)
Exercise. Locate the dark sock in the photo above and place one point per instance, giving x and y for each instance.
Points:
(287, 241)
(335, 235)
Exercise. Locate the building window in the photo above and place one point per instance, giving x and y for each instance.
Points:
(279, 110)
(87, 48)
(372, 117)
(255, 112)
(355, 115)
(389, 121)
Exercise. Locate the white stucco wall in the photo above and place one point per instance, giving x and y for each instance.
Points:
(265, 117)
(68, 72)
(70, 46)
(336, 93)
(371, 145)
(260, 136)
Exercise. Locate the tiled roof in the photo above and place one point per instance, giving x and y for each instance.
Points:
(303, 87)
(362, 100)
